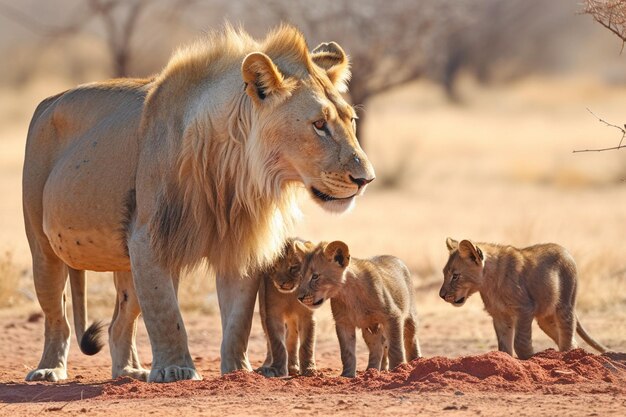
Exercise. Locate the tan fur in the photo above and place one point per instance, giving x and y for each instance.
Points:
(517, 286)
(375, 295)
(288, 325)
(200, 163)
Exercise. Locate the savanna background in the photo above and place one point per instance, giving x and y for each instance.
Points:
(470, 111)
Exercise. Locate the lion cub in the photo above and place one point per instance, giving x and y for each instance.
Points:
(375, 295)
(517, 286)
(285, 320)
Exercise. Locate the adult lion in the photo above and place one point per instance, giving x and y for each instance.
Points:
(201, 162)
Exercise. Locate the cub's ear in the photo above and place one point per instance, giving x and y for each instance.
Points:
(334, 60)
(468, 250)
(451, 244)
(337, 251)
(299, 249)
(264, 81)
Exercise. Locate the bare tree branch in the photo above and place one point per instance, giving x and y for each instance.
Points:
(609, 13)
(621, 141)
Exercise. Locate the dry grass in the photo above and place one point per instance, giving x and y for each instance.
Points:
(9, 280)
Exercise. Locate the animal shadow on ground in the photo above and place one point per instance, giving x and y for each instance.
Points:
(23, 392)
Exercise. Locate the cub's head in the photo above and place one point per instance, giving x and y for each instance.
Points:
(463, 274)
(285, 271)
(323, 271)
(307, 129)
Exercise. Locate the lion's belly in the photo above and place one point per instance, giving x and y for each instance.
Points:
(84, 207)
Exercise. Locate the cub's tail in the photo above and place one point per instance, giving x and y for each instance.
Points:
(90, 340)
(587, 338)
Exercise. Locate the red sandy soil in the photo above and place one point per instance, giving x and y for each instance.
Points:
(551, 383)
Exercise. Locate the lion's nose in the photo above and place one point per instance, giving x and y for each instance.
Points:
(361, 182)
(442, 294)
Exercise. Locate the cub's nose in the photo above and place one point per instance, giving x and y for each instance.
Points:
(361, 182)
(442, 294)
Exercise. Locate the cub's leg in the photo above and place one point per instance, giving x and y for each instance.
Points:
(411, 344)
(504, 332)
(394, 329)
(523, 335)
(307, 345)
(263, 313)
(276, 340)
(293, 360)
(376, 345)
(347, 344)
(566, 324)
(548, 325)
(50, 275)
(123, 330)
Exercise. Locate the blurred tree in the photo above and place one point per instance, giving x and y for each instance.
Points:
(120, 20)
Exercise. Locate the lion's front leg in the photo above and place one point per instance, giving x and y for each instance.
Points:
(236, 298)
(171, 360)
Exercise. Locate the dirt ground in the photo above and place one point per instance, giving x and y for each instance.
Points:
(460, 373)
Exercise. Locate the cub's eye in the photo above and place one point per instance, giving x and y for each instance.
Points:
(294, 269)
(320, 124)
(455, 277)
(314, 277)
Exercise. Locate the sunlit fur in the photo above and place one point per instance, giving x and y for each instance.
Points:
(518, 286)
(234, 188)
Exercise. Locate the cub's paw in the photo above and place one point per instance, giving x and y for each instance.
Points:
(270, 372)
(135, 373)
(173, 373)
(310, 371)
(47, 374)
(293, 370)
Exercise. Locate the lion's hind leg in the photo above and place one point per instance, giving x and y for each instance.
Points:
(123, 330)
(50, 276)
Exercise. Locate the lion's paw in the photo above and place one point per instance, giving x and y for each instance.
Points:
(270, 372)
(47, 374)
(173, 373)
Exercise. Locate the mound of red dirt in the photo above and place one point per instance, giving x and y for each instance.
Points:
(492, 371)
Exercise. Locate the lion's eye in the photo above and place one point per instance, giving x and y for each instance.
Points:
(320, 125)
(455, 277)
(294, 269)
(314, 277)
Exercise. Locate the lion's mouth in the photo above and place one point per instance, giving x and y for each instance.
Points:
(325, 197)
(318, 302)
(459, 302)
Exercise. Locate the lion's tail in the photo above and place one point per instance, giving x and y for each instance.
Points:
(587, 338)
(90, 340)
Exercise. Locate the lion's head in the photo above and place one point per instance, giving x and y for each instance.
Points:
(463, 273)
(323, 271)
(300, 111)
(244, 124)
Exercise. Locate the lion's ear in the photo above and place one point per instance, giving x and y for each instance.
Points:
(334, 60)
(337, 251)
(468, 250)
(451, 244)
(264, 81)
